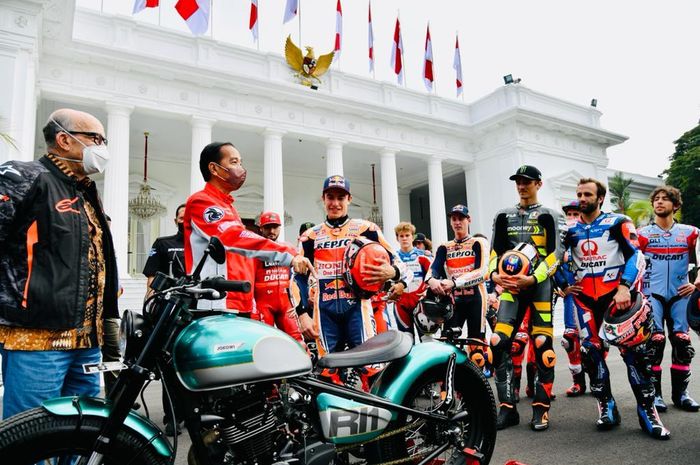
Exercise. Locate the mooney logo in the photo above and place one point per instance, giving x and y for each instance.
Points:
(66, 205)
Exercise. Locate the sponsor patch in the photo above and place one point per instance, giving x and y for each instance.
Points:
(213, 214)
(7, 170)
(607, 221)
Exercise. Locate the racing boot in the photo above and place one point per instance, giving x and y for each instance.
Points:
(540, 407)
(679, 391)
(517, 373)
(578, 388)
(507, 416)
(656, 379)
(649, 418)
(608, 416)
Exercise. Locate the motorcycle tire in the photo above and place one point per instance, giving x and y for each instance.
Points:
(37, 435)
(472, 393)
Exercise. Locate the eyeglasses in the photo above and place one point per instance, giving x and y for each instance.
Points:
(96, 137)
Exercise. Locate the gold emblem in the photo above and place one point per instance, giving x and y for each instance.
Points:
(307, 68)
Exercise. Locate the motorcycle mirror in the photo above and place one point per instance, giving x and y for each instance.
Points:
(216, 249)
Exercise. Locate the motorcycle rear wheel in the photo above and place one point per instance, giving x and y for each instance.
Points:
(472, 393)
(37, 436)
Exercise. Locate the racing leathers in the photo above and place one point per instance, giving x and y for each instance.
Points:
(605, 256)
(341, 317)
(668, 254)
(540, 227)
(210, 212)
(273, 297)
(465, 262)
(418, 264)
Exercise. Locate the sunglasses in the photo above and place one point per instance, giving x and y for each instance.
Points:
(96, 137)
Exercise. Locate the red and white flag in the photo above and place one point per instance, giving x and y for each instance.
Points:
(428, 62)
(253, 23)
(370, 39)
(290, 11)
(338, 31)
(457, 65)
(397, 53)
(140, 5)
(196, 14)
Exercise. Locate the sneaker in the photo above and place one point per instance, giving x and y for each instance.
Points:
(608, 416)
(660, 404)
(507, 416)
(685, 403)
(170, 431)
(540, 418)
(575, 390)
(651, 423)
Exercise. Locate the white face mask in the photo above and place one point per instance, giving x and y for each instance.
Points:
(95, 157)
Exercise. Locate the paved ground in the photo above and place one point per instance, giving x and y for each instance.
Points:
(572, 438)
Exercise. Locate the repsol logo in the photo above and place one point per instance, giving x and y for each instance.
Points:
(351, 422)
(460, 254)
(333, 244)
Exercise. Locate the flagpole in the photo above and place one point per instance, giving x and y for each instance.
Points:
(158, 15)
(403, 62)
(211, 19)
(433, 63)
(257, 24)
(371, 24)
(301, 46)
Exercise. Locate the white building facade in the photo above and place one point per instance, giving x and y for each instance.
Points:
(186, 92)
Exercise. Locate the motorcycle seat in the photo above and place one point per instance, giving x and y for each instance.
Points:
(383, 347)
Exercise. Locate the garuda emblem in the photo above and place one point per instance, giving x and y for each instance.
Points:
(308, 69)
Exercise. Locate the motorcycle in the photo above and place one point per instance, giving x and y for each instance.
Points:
(248, 394)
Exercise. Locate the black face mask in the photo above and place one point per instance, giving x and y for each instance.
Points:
(181, 228)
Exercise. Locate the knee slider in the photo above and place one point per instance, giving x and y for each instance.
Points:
(477, 357)
(683, 351)
(569, 339)
(544, 350)
(499, 342)
(519, 343)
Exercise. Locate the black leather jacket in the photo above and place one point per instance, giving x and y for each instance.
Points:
(44, 244)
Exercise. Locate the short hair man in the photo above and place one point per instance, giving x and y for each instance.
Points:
(58, 273)
(669, 248)
(167, 253)
(210, 212)
(272, 289)
(530, 223)
(608, 271)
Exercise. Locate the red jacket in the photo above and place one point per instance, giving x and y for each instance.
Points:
(210, 212)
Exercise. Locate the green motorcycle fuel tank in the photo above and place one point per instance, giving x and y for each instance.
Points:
(227, 350)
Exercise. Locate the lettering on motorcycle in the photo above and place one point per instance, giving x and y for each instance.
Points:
(231, 347)
(354, 421)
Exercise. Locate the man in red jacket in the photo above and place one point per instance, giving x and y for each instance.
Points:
(210, 212)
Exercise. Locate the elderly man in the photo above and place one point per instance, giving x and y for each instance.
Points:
(58, 274)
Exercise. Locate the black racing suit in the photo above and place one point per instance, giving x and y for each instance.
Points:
(540, 227)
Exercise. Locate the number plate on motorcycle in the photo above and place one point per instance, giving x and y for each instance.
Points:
(89, 368)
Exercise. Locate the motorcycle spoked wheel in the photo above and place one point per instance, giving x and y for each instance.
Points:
(472, 393)
(36, 436)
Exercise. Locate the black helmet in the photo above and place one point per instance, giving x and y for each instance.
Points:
(432, 311)
(630, 328)
(694, 312)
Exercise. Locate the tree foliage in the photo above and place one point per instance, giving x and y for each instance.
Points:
(684, 173)
(618, 186)
(641, 212)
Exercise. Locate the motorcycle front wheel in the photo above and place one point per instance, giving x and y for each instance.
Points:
(36, 436)
(419, 438)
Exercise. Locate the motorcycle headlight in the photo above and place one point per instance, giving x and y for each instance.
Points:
(132, 336)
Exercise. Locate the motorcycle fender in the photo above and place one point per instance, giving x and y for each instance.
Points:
(63, 406)
(395, 381)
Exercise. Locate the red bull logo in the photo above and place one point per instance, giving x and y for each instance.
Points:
(334, 285)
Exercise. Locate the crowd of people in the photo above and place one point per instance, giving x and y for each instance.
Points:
(59, 284)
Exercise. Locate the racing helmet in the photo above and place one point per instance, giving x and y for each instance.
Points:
(431, 312)
(630, 328)
(694, 312)
(358, 254)
(519, 261)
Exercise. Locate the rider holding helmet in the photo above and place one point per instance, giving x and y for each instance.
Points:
(534, 231)
(608, 270)
(340, 315)
(669, 248)
(460, 268)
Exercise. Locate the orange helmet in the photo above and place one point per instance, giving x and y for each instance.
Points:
(358, 254)
(519, 261)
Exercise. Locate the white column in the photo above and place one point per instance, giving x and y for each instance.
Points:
(116, 184)
(201, 136)
(273, 187)
(390, 195)
(479, 223)
(334, 157)
(436, 192)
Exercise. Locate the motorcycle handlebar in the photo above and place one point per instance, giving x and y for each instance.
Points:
(225, 285)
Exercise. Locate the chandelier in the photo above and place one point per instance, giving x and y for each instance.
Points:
(374, 215)
(146, 205)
